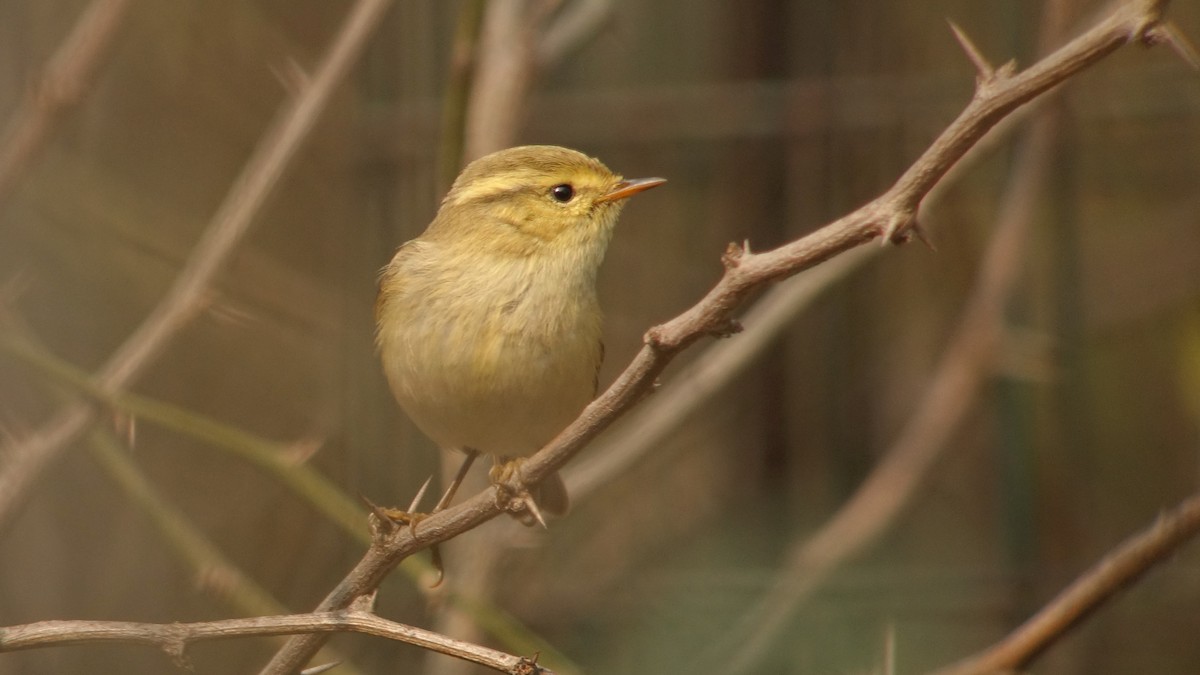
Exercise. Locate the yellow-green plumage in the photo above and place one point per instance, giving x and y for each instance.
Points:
(488, 324)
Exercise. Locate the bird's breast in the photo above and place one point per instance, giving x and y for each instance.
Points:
(497, 357)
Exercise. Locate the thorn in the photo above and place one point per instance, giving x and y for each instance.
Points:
(1169, 33)
(923, 236)
(984, 72)
(531, 506)
(529, 666)
(416, 502)
(323, 668)
(381, 522)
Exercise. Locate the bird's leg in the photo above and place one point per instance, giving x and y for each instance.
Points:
(404, 517)
(411, 516)
(458, 479)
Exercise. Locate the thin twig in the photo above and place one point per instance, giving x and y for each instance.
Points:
(28, 458)
(892, 216)
(68, 76)
(459, 77)
(175, 638)
(645, 428)
(504, 71)
(276, 459)
(1115, 572)
(578, 23)
(968, 362)
(216, 572)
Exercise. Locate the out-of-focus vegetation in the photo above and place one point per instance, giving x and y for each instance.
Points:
(769, 119)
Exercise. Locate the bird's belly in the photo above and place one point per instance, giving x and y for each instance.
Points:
(505, 382)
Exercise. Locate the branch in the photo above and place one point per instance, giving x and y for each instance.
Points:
(277, 459)
(505, 68)
(892, 216)
(67, 78)
(1089, 592)
(175, 638)
(968, 361)
(29, 457)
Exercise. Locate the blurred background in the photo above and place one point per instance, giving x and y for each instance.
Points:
(226, 481)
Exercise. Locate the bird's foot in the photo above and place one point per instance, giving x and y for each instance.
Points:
(520, 505)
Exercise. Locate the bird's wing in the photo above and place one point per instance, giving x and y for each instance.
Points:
(390, 274)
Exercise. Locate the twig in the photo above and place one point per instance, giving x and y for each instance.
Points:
(504, 70)
(28, 458)
(645, 428)
(216, 572)
(968, 362)
(175, 638)
(1115, 572)
(892, 216)
(275, 458)
(458, 85)
(68, 76)
(578, 22)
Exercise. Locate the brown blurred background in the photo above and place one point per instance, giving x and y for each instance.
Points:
(770, 119)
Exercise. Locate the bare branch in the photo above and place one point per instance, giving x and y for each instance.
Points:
(1168, 33)
(579, 22)
(67, 78)
(505, 69)
(28, 458)
(646, 427)
(891, 215)
(175, 638)
(969, 360)
(1115, 572)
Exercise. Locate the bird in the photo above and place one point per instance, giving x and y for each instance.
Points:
(488, 325)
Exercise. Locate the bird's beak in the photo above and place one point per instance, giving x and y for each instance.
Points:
(629, 188)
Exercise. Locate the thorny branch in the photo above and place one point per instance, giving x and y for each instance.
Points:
(1086, 594)
(29, 457)
(64, 81)
(892, 216)
(175, 638)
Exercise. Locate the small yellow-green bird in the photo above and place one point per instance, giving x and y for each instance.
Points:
(488, 324)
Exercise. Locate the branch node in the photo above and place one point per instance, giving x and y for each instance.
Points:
(364, 603)
(732, 257)
(176, 647)
(898, 228)
(529, 666)
(655, 338)
(726, 328)
(984, 72)
(1168, 33)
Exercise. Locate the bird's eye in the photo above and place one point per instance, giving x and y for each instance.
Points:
(562, 193)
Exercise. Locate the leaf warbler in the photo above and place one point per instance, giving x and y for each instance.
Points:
(488, 324)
